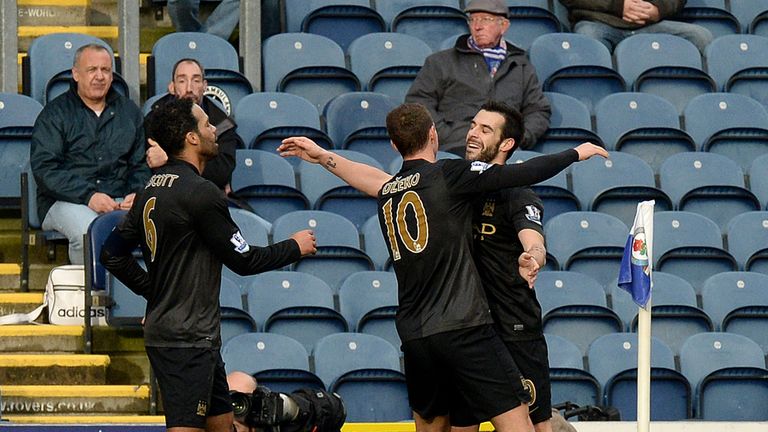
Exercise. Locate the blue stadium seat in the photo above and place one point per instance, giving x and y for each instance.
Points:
(643, 124)
(613, 361)
(739, 64)
(753, 16)
(17, 117)
(365, 371)
(357, 121)
(587, 242)
(216, 55)
(265, 119)
(728, 375)
(712, 14)
(341, 21)
(293, 304)
(668, 290)
(50, 55)
(665, 65)
(747, 233)
(327, 192)
(570, 381)
(387, 62)
(689, 245)
(230, 294)
(738, 303)
(308, 65)
(730, 124)
(338, 245)
(574, 306)
(127, 308)
(569, 125)
(530, 19)
(234, 322)
(576, 65)
(432, 21)
(614, 186)
(758, 181)
(375, 245)
(707, 183)
(277, 361)
(554, 192)
(368, 300)
(252, 228)
(267, 183)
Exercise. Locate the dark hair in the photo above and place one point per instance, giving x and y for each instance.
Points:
(513, 121)
(169, 124)
(186, 60)
(408, 127)
(93, 46)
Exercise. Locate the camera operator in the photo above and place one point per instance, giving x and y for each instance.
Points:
(244, 383)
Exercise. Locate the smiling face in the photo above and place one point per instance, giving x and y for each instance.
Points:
(93, 74)
(484, 137)
(487, 29)
(207, 133)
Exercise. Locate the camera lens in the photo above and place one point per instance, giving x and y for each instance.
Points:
(241, 403)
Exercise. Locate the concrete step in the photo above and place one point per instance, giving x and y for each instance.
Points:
(9, 276)
(40, 338)
(75, 399)
(147, 420)
(50, 369)
(53, 12)
(16, 302)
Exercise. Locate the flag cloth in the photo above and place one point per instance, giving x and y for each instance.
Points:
(635, 271)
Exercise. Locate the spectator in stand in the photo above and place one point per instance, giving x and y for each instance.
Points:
(611, 21)
(87, 152)
(188, 81)
(222, 21)
(454, 83)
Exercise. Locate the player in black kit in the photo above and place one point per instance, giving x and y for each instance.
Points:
(509, 251)
(182, 223)
(452, 353)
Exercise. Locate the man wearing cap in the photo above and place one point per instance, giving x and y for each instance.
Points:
(454, 83)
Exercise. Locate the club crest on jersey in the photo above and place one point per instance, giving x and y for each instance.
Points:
(533, 214)
(479, 166)
(489, 207)
(241, 246)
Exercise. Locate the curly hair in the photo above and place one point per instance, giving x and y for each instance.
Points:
(169, 124)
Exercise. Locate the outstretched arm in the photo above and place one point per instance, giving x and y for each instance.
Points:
(360, 176)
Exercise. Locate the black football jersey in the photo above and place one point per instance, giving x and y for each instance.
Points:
(425, 214)
(497, 220)
(182, 223)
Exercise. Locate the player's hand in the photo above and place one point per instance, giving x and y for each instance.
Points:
(127, 201)
(528, 268)
(102, 203)
(301, 147)
(306, 240)
(587, 150)
(156, 156)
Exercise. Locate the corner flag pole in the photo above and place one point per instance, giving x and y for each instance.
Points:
(635, 276)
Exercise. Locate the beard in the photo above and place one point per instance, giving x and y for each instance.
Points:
(486, 154)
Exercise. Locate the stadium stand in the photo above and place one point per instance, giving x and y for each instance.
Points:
(341, 21)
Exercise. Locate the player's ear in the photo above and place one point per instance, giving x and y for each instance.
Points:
(508, 145)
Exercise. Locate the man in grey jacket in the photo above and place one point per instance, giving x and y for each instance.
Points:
(454, 83)
(611, 21)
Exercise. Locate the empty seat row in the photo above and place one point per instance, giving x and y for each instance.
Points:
(721, 376)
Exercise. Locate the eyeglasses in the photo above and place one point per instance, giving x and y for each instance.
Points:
(483, 20)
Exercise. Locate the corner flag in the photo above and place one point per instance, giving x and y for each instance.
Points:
(635, 271)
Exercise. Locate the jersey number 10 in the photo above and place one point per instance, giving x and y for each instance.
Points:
(397, 225)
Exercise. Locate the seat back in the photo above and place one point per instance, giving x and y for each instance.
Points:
(254, 231)
(363, 292)
(725, 292)
(316, 180)
(730, 54)
(340, 353)
(758, 183)
(270, 292)
(352, 112)
(17, 118)
(430, 23)
(259, 112)
(211, 51)
(595, 176)
(51, 54)
(256, 352)
(342, 21)
(641, 52)
(569, 380)
(708, 114)
(711, 14)
(621, 113)
(747, 233)
(376, 52)
(285, 52)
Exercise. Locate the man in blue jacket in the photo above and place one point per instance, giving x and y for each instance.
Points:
(87, 151)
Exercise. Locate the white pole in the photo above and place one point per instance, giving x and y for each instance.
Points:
(644, 367)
